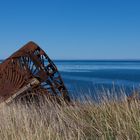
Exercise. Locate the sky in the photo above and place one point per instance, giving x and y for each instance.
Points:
(72, 29)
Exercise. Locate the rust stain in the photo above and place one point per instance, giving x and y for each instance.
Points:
(30, 71)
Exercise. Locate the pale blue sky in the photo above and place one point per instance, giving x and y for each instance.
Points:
(72, 29)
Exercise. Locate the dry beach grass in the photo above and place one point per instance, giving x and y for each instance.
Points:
(86, 120)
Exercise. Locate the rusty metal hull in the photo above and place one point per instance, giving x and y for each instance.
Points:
(30, 71)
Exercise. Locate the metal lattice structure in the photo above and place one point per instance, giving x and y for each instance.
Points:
(29, 72)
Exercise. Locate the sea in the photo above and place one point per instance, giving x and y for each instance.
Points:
(96, 78)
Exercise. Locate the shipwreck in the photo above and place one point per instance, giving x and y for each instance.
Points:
(29, 73)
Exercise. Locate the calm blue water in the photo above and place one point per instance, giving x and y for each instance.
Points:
(89, 77)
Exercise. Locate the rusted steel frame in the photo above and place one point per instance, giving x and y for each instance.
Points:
(30, 62)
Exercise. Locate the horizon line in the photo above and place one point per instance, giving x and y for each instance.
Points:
(91, 59)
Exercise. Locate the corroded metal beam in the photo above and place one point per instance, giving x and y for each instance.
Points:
(30, 71)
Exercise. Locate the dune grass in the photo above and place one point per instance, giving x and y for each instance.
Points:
(87, 120)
